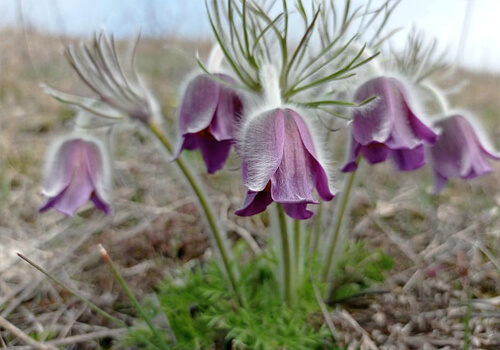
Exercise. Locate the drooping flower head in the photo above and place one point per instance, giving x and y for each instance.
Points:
(461, 151)
(388, 127)
(280, 164)
(77, 170)
(208, 116)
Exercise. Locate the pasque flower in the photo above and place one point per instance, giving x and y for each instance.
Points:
(461, 151)
(208, 116)
(388, 127)
(280, 164)
(77, 170)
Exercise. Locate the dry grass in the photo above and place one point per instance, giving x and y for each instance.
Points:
(446, 248)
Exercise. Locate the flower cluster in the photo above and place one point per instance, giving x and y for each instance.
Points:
(264, 107)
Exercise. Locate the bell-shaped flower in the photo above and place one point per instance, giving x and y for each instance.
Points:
(280, 164)
(387, 127)
(208, 116)
(77, 170)
(461, 151)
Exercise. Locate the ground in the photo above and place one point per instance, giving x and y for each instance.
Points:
(442, 293)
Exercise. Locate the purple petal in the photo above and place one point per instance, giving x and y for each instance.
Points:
(420, 130)
(375, 121)
(294, 179)
(375, 152)
(199, 104)
(255, 202)
(215, 153)
(321, 182)
(297, 211)
(440, 182)
(409, 159)
(228, 113)
(352, 157)
(100, 204)
(262, 149)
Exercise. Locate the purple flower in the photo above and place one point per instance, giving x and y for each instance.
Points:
(208, 117)
(387, 127)
(280, 164)
(77, 170)
(459, 152)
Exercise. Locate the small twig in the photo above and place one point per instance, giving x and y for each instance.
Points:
(354, 324)
(23, 336)
(324, 311)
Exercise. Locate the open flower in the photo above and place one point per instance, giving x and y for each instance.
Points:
(387, 127)
(208, 117)
(77, 170)
(280, 164)
(460, 151)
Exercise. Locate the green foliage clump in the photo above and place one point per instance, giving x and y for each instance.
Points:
(358, 269)
(203, 313)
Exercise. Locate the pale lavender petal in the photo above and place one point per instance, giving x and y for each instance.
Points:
(262, 149)
(199, 104)
(75, 195)
(321, 181)
(255, 202)
(297, 211)
(59, 168)
(409, 159)
(294, 179)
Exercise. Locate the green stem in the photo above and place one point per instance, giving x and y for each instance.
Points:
(116, 274)
(316, 231)
(90, 304)
(297, 246)
(207, 209)
(338, 224)
(287, 258)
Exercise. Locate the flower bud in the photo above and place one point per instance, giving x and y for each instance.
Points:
(280, 164)
(207, 120)
(460, 151)
(388, 127)
(77, 170)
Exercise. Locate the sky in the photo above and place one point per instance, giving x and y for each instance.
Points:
(442, 19)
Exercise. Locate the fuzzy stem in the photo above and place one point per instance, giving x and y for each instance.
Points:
(90, 304)
(287, 258)
(438, 96)
(116, 274)
(207, 209)
(338, 223)
(297, 246)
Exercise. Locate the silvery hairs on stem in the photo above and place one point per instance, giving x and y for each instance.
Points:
(118, 90)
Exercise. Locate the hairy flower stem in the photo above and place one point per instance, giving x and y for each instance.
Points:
(342, 212)
(207, 209)
(119, 278)
(297, 246)
(287, 257)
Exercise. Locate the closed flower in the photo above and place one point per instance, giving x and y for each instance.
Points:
(459, 152)
(77, 170)
(388, 127)
(208, 117)
(280, 164)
